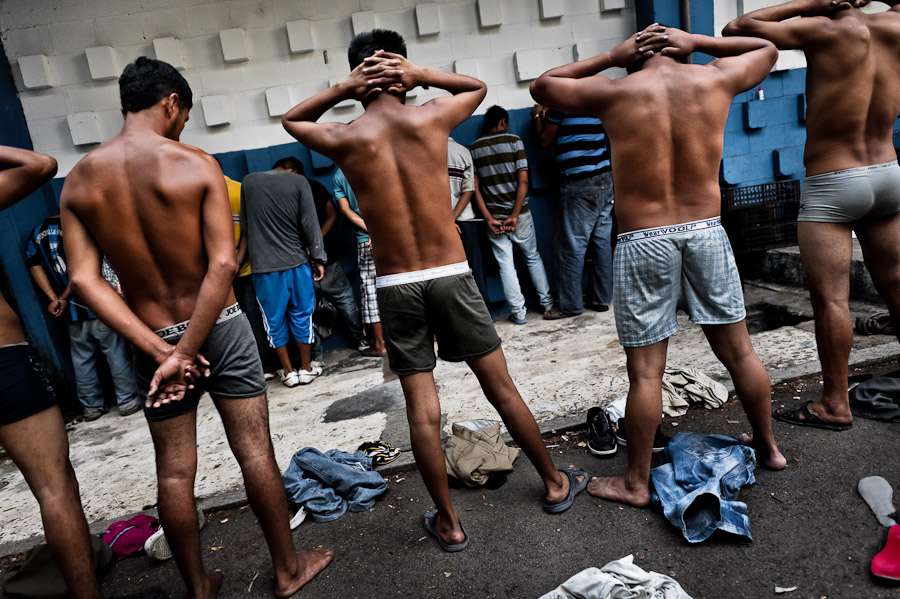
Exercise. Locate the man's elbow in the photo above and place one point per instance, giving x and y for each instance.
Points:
(538, 89)
(226, 266)
(48, 166)
(736, 27)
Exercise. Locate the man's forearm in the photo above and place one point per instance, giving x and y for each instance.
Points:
(583, 68)
(461, 204)
(744, 25)
(721, 47)
(309, 223)
(43, 282)
(451, 82)
(312, 109)
(521, 194)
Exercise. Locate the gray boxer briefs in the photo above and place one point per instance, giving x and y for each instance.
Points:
(235, 368)
(851, 195)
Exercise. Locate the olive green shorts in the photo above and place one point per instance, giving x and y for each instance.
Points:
(449, 308)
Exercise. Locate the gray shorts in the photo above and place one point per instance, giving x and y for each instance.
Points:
(661, 270)
(851, 195)
(235, 368)
(447, 307)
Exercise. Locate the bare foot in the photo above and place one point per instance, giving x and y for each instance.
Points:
(614, 489)
(214, 581)
(768, 457)
(309, 564)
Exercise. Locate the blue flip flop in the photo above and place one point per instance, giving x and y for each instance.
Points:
(575, 487)
(448, 547)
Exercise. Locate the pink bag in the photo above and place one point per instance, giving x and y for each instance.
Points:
(127, 537)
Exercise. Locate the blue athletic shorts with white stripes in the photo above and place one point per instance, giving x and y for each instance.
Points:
(287, 299)
(658, 271)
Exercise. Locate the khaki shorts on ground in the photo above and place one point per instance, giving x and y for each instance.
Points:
(449, 308)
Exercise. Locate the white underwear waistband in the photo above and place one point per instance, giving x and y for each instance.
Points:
(437, 272)
(179, 328)
(696, 225)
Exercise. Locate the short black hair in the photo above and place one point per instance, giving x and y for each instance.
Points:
(147, 81)
(492, 118)
(368, 42)
(290, 163)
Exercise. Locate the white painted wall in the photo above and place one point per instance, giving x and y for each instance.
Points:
(62, 30)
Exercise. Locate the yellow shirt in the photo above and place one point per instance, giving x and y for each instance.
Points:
(234, 196)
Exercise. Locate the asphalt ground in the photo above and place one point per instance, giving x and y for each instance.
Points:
(810, 528)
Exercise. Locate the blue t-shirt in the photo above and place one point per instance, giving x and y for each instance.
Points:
(342, 190)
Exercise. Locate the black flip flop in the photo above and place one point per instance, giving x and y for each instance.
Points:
(801, 416)
(448, 547)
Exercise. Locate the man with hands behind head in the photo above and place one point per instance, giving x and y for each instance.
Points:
(395, 158)
(666, 123)
(852, 177)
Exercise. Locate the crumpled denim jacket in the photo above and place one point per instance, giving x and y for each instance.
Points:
(327, 484)
(698, 482)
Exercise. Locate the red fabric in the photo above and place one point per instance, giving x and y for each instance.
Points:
(127, 537)
(886, 563)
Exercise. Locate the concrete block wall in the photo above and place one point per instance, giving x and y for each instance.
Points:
(236, 50)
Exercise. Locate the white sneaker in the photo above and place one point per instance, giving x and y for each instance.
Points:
(297, 517)
(270, 375)
(362, 345)
(292, 379)
(305, 377)
(318, 364)
(157, 547)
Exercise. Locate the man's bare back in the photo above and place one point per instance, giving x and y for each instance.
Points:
(666, 124)
(141, 197)
(852, 77)
(405, 203)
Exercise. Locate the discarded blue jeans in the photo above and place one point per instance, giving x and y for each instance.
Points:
(330, 483)
(698, 482)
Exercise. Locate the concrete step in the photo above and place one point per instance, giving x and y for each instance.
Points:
(783, 265)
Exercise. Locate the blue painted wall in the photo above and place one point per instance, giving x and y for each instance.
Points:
(48, 336)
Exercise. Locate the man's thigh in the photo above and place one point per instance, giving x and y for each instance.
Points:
(826, 250)
(524, 236)
(175, 442)
(880, 242)
(246, 423)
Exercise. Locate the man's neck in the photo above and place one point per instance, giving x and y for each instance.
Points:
(144, 122)
(384, 101)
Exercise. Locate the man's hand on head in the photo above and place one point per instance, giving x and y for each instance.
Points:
(677, 43)
(640, 46)
(358, 85)
(392, 72)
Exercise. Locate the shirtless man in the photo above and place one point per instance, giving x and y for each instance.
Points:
(32, 430)
(395, 159)
(666, 124)
(852, 177)
(159, 210)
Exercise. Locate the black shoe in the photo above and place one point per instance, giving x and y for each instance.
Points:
(659, 439)
(597, 307)
(601, 440)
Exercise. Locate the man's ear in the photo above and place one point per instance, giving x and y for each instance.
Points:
(172, 103)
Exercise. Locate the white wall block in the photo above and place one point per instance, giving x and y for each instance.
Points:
(466, 66)
(216, 110)
(552, 9)
(168, 49)
(102, 63)
(554, 57)
(345, 103)
(234, 45)
(528, 65)
(42, 104)
(73, 36)
(363, 21)
(35, 71)
(790, 59)
(278, 99)
(584, 50)
(84, 128)
(490, 13)
(428, 18)
(612, 4)
(299, 36)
